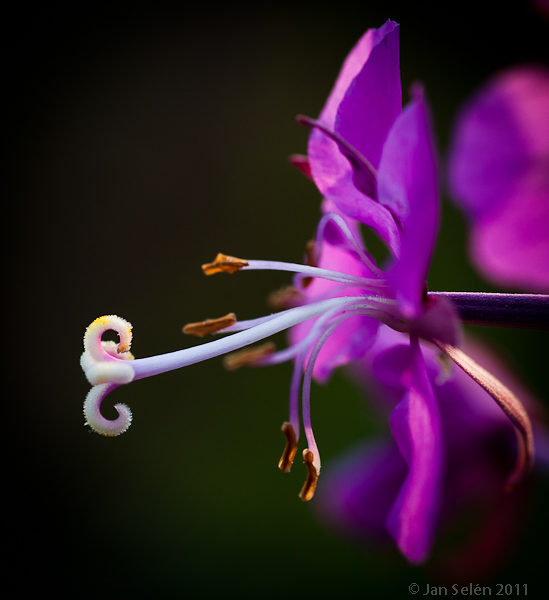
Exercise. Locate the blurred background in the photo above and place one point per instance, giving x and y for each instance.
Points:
(141, 142)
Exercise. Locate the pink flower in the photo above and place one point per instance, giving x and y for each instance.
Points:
(499, 173)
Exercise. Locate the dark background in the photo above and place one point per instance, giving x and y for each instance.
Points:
(141, 142)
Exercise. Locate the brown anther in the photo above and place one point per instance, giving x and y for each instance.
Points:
(308, 489)
(203, 328)
(224, 264)
(310, 261)
(285, 297)
(287, 459)
(248, 356)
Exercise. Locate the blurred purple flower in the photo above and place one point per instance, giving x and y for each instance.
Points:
(499, 173)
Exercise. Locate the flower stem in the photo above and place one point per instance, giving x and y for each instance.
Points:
(519, 311)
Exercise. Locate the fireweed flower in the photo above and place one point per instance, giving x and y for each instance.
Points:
(499, 173)
(375, 164)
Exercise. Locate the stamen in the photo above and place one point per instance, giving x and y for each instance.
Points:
(308, 489)
(208, 326)
(338, 276)
(287, 296)
(510, 405)
(224, 264)
(343, 227)
(248, 356)
(287, 459)
(311, 262)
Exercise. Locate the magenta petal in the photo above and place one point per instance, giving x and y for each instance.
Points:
(357, 492)
(407, 185)
(499, 172)
(354, 204)
(416, 426)
(352, 66)
(374, 98)
(511, 246)
(331, 171)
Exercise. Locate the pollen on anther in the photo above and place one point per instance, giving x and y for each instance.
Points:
(308, 489)
(224, 264)
(203, 328)
(248, 356)
(287, 459)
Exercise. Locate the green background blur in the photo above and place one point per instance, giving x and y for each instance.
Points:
(142, 142)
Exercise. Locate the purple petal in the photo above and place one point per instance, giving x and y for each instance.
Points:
(407, 185)
(354, 204)
(499, 172)
(373, 99)
(356, 493)
(352, 66)
(511, 245)
(416, 426)
(331, 171)
(364, 173)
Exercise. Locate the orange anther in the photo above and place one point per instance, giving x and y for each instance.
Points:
(310, 255)
(247, 356)
(285, 297)
(224, 264)
(287, 459)
(208, 326)
(308, 489)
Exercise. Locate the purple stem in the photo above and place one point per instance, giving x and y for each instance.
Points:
(519, 311)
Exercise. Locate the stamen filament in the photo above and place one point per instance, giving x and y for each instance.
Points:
(387, 302)
(300, 351)
(306, 391)
(343, 227)
(274, 265)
